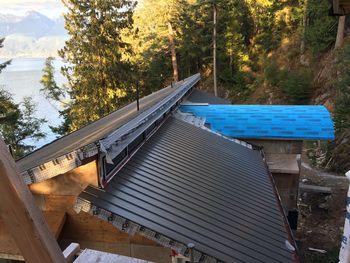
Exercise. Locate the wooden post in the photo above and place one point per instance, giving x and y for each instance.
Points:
(214, 52)
(22, 217)
(137, 95)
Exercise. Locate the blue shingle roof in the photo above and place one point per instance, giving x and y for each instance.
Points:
(267, 121)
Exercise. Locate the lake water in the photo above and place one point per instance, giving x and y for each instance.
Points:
(22, 78)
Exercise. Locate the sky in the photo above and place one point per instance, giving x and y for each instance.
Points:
(50, 8)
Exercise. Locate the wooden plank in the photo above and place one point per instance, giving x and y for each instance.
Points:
(156, 254)
(8, 247)
(71, 183)
(336, 7)
(71, 251)
(84, 226)
(58, 203)
(341, 7)
(22, 217)
(115, 248)
(315, 188)
(287, 186)
(278, 146)
(283, 163)
(93, 256)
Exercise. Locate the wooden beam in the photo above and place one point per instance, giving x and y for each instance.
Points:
(22, 217)
(336, 7)
(315, 188)
(8, 247)
(341, 7)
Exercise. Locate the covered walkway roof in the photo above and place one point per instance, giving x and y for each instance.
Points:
(266, 121)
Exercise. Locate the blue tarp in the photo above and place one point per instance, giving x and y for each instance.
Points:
(267, 121)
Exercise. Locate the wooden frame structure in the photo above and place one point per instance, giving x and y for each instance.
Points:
(22, 217)
(341, 7)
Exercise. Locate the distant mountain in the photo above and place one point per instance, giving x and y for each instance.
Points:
(32, 35)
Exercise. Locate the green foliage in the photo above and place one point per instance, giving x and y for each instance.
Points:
(6, 63)
(342, 105)
(19, 124)
(98, 68)
(296, 85)
(50, 88)
(111, 47)
(55, 93)
(272, 73)
(321, 29)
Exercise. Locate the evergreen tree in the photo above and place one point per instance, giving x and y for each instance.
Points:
(50, 88)
(17, 122)
(97, 58)
(6, 63)
(56, 94)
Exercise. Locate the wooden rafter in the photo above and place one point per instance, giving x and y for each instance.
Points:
(22, 217)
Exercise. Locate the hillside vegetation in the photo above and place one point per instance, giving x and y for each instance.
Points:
(267, 51)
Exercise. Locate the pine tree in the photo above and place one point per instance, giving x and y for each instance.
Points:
(6, 63)
(56, 94)
(50, 88)
(97, 58)
(17, 122)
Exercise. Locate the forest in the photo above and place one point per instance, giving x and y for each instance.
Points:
(265, 52)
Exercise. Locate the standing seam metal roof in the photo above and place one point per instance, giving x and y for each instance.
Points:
(93, 131)
(199, 96)
(187, 185)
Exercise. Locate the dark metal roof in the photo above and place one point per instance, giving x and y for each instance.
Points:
(187, 185)
(199, 96)
(90, 133)
(106, 137)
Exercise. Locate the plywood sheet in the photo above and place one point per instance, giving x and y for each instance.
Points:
(283, 163)
(92, 256)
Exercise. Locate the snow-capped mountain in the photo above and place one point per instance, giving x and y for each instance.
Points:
(33, 34)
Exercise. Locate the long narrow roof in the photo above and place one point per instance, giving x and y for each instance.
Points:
(106, 136)
(199, 96)
(92, 132)
(188, 185)
(267, 121)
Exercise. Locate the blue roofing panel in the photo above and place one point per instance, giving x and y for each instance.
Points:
(267, 121)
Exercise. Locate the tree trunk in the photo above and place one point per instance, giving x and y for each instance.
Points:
(173, 52)
(303, 60)
(302, 42)
(214, 52)
(340, 34)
